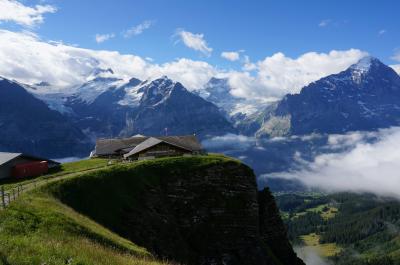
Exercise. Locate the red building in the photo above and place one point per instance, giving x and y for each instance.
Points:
(20, 165)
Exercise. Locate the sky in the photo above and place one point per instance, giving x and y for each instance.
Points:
(265, 48)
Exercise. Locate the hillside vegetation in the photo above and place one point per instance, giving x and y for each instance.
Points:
(191, 210)
(38, 229)
(349, 229)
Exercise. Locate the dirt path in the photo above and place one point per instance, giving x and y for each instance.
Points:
(12, 193)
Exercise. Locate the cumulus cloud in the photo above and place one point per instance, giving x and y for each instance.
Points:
(195, 41)
(104, 37)
(367, 167)
(231, 56)
(396, 56)
(279, 74)
(192, 74)
(396, 67)
(138, 29)
(14, 11)
(63, 65)
(28, 59)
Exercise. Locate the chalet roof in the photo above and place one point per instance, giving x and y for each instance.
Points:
(149, 142)
(6, 157)
(113, 146)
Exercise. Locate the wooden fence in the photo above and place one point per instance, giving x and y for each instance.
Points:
(9, 195)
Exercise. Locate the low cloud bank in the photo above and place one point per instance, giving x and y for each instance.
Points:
(309, 256)
(229, 142)
(365, 166)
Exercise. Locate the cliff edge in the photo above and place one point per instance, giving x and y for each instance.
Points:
(192, 210)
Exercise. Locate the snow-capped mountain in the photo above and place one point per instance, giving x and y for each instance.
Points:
(168, 104)
(366, 96)
(219, 92)
(147, 107)
(104, 106)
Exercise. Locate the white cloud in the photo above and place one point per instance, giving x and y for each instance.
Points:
(367, 167)
(310, 256)
(28, 59)
(231, 56)
(104, 37)
(195, 41)
(192, 74)
(138, 29)
(324, 23)
(396, 67)
(396, 56)
(278, 74)
(14, 11)
(381, 32)
(229, 141)
(248, 65)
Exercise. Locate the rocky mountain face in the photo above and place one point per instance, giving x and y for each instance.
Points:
(199, 210)
(168, 105)
(28, 125)
(150, 108)
(366, 96)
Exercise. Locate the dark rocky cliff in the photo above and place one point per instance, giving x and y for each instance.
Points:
(199, 210)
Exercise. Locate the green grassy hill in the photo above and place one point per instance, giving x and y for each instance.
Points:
(38, 229)
(148, 212)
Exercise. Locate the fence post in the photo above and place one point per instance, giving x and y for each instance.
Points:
(9, 199)
(13, 194)
(2, 197)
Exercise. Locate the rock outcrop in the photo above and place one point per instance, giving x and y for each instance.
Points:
(198, 210)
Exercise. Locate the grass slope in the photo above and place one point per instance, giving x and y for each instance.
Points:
(39, 229)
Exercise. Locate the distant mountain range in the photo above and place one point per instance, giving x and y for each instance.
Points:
(364, 97)
(39, 120)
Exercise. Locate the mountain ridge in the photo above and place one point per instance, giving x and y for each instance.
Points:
(363, 97)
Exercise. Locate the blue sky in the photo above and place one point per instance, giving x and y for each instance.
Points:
(259, 28)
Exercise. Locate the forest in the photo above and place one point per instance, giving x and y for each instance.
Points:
(344, 228)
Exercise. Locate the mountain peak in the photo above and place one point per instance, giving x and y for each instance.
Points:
(365, 64)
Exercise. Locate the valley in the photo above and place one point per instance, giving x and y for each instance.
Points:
(342, 228)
